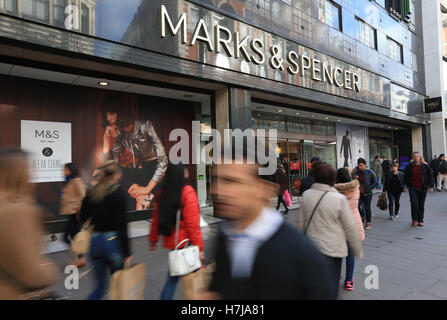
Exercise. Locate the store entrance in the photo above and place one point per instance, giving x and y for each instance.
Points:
(295, 156)
(384, 151)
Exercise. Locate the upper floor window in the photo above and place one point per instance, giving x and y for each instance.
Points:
(85, 19)
(330, 13)
(395, 51)
(59, 12)
(367, 34)
(36, 9)
(11, 6)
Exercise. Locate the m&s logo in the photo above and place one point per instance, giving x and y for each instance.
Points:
(48, 134)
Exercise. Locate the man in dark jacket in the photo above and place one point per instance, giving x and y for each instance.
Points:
(441, 171)
(394, 186)
(282, 181)
(368, 181)
(309, 180)
(434, 164)
(259, 256)
(418, 178)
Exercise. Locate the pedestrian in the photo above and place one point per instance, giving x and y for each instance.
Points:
(386, 166)
(258, 255)
(325, 216)
(73, 192)
(434, 164)
(418, 179)
(24, 272)
(308, 181)
(442, 173)
(105, 205)
(377, 168)
(423, 161)
(175, 195)
(283, 186)
(368, 181)
(350, 189)
(393, 187)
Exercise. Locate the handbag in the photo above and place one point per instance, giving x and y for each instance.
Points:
(287, 198)
(186, 260)
(313, 212)
(382, 203)
(128, 283)
(81, 241)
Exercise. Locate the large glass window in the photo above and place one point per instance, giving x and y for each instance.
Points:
(367, 34)
(11, 6)
(59, 12)
(85, 23)
(329, 13)
(36, 9)
(395, 50)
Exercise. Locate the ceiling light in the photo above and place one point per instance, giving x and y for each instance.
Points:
(326, 118)
(279, 110)
(103, 83)
(338, 120)
(313, 116)
(389, 127)
(259, 115)
(187, 95)
(297, 113)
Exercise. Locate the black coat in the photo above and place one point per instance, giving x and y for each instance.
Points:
(388, 179)
(307, 183)
(427, 176)
(287, 266)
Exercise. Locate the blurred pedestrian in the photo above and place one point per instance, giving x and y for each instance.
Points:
(386, 166)
(24, 272)
(434, 165)
(368, 181)
(73, 192)
(175, 195)
(105, 204)
(258, 255)
(394, 186)
(325, 216)
(377, 168)
(281, 178)
(442, 173)
(309, 180)
(350, 189)
(418, 179)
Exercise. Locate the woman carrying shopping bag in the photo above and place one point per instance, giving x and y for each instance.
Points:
(175, 195)
(281, 178)
(105, 205)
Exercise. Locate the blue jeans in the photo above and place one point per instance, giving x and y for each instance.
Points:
(169, 288)
(350, 264)
(379, 183)
(105, 252)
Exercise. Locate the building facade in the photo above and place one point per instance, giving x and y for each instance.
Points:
(338, 79)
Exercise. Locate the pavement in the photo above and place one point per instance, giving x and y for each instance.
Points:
(411, 261)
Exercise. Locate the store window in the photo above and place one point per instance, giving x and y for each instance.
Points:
(11, 6)
(36, 9)
(367, 34)
(59, 12)
(329, 13)
(395, 50)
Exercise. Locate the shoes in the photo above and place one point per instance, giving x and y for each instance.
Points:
(368, 226)
(396, 216)
(392, 218)
(286, 212)
(414, 224)
(420, 224)
(349, 285)
(363, 221)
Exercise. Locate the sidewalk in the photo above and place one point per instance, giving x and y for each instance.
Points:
(412, 261)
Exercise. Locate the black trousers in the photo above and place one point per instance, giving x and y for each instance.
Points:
(417, 199)
(365, 206)
(281, 200)
(72, 227)
(334, 265)
(393, 198)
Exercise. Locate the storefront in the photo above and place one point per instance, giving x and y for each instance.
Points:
(214, 61)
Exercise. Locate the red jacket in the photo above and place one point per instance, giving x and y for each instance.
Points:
(189, 221)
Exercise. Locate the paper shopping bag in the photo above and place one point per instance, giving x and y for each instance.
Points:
(128, 283)
(197, 282)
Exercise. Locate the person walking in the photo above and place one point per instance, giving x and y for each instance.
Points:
(434, 164)
(24, 272)
(73, 192)
(386, 166)
(368, 181)
(259, 256)
(442, 173)
(283, 185)
(309, 180)
(326, 218)
(377, 168)
(418, 179)
(175, 195)
(394, 186)
(351, 190)
(105, 205)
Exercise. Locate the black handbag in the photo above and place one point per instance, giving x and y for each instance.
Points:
(382, 203)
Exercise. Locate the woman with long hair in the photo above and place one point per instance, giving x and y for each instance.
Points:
(175, 195)
(73, 192)
(105, 205)
(23, 270)
(350, 188)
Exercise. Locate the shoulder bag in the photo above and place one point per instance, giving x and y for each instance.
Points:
(81, 241)
(313, 212)
(186, 260)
